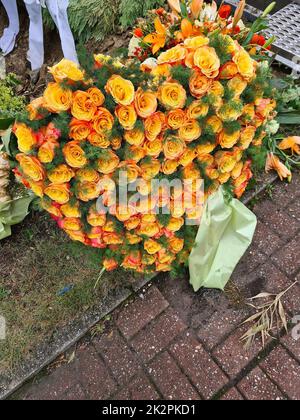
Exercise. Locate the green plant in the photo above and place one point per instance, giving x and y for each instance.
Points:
(131, 10)
(10, 103)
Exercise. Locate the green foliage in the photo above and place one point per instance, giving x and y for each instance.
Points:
(10, 103)
(182, 75)
(221, 45)
(258, 156)
(131, 10)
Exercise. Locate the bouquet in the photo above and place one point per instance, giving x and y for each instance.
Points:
(124, 153)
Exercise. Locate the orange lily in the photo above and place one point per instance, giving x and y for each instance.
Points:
(186, 28)
(157, 39)
(292, 143)
(239, 13)
(196, 8)
(273, 162)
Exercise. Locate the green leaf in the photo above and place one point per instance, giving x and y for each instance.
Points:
(184, 10)
(6, 140)
(5, 123)
(289, 118)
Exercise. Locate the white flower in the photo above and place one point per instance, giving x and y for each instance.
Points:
(240, 24)
(150, 63)
(209, 13)
(134, 44)
(272, 127)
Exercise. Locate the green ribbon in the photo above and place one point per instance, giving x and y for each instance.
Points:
(12, 213)
(225, 233)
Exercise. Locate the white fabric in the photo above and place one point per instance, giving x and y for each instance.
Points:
(8, 39)
(58, 12)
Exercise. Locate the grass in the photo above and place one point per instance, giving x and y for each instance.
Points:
(45, 281)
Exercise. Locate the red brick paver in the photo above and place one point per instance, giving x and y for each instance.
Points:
(171, 343)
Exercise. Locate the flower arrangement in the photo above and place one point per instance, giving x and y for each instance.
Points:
(196, 106)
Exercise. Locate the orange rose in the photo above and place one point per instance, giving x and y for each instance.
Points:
(96, 219)
(57, 99)
(34, 107)
(172, 95)
(217, 89)
(229, 70)
(173, 147)
(131, 169)
(37, 188)
(69, 210)
(176, 245)
(247, 136)
(116, 143)
(176, 118)
(51, 209)
(197, 109)
(154, 125)
(237, 85)
(87, 191)
(196, 42)
(25, 136)
(110, 264)
(132, 261)
(62, 174)
(112, 239)
(79, 130)
(99, 140)
(226, 161)
(215, 124)
(245, 64)
(121, 90)
(66, 69)
(153, 148)
(228, 112)
(169, 166)
(190, 131)
(108, 163)
(145, 103)
(74, 155)
(132, 223)
(152, 247)
(126, 116)
(71, 223)
(31, 167)
(46, 152)
(150, 169)
(87, 174)
(60, 193)
(207, 60)
(78, 236)
(134, 137)
(199, 84)
(82, 107)
(96, 96)
(227, 141)
(103, 121)
(135, 153)
(205, 149)
(187, 158)
(172, 55)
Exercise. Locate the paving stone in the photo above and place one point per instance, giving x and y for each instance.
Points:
(157, 335)
(117, 355)
(257, 386)
(172, 383)
(292, 340)
(93, 375)
(266, 240)
(140, 388)
(232, 355)
(276, 219)
(294, 210)
(135, 316)
(75, 394)
(285, 371)
(232, 395)
(284, 193)
(288, 258)
(53, 386)
(198, 365)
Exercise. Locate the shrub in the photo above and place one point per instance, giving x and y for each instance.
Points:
(10, 103)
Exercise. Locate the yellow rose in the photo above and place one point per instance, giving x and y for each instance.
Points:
(205, 158)
(26, 137)
(249, 112)
(149, 229)
(57, 99)
(226, 161)
(79, 130)
(205, 149)
(145, 103)
(108, 163)
(121, 90)
(134, 137)
(237, 85)
(152, 247)
(196, 42)
(191, 172)
(165, 257)
(244, 63)
(37, 188)
(103, 121)
(96, 219)
(148, 259)
(176, 245)
(96, 96)
(154, 125)
(74, 155)
(78, 236)
(116, 143)
(99, 140)
(34, 107)
(169, 167)
(237, 170)
(227, 141)
(82, 106)
(132, 223)
(66, 69)
(229, 70)
(230, 111)
(31, 167)
(62, 174)
(131, 169)
(150, 169)
(175, 224)
(247, 136)
(215, 124)
(176, 118)
(163, 268)
(71, 223)
(112, 239)
(135, 153)
(46, 152)
(173, 147)
(87, 191)
(51, 209)
(172, 55)
(153, 148)
(60, 193)
(124, 212)
(172, 95)
(217, 89)
(199, 84)
(190, 131)
(207, 60)
(187, 158)
(162, 70)
(197, 109)
(223, 178)
(87, 174)
(126, 116)
(212, 172)
(133, 239)
(71, 210)
(132, 261)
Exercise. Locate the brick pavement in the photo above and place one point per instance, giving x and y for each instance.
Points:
(170, 343)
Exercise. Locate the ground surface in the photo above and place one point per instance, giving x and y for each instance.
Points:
(170, 343)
